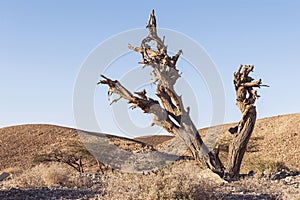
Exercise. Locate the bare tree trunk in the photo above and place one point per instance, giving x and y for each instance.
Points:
(169, 112)
(239, 144)
(246, 97)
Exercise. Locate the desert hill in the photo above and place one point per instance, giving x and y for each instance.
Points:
(21, 146)
(26, 152)
(275, 139)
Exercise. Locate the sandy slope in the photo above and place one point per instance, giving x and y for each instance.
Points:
(274, 146)
(276, 139)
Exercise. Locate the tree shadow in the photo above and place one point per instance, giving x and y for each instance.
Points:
(283, 175)
(129, 155)
(49, 193)
(248, 197)
(203, 191)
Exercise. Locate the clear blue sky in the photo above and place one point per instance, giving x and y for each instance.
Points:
(44, 43)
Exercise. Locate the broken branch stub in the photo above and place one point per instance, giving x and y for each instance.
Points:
(169, 112)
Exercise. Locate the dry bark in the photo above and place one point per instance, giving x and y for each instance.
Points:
(169, 112)
(246, 96)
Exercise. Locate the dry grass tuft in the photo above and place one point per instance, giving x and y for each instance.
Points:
(56, 175)
(168, 183)
(46, 175)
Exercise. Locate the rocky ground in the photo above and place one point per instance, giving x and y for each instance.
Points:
(168, 183)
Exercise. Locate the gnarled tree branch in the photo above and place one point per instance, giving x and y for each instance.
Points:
(169, 112)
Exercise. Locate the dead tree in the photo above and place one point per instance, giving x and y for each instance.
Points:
(169, 111)
(246, 96)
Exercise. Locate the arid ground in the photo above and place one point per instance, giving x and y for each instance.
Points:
(43, 162)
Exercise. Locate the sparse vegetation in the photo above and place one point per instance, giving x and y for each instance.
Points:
(170, 182)
(183, 179)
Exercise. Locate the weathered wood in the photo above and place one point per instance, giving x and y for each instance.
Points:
(239, 144)
(169, 112)
(246, 96)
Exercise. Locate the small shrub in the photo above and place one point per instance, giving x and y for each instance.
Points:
(53, 174)
(72, 159)
(56, 175)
